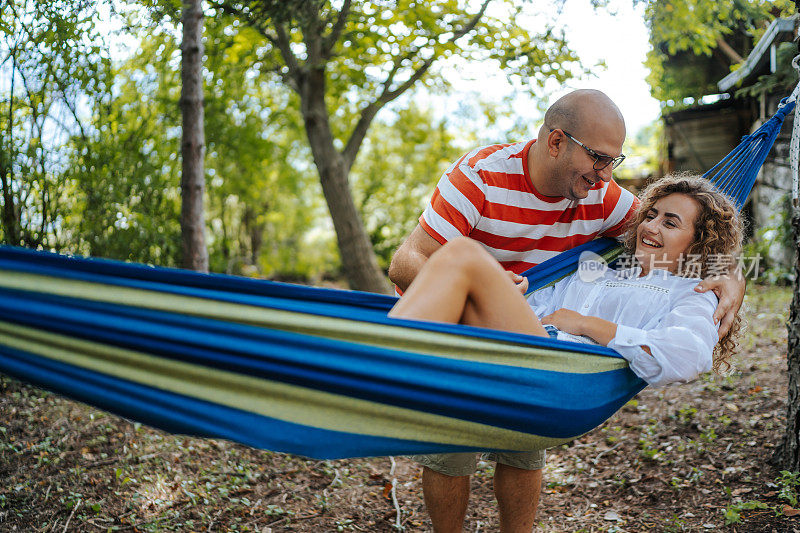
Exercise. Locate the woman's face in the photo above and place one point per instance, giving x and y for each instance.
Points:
(666, 233)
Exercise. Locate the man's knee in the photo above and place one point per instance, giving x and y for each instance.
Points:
(449, 464)
(533, 460)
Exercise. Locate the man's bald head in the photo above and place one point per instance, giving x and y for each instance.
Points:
(583, 110)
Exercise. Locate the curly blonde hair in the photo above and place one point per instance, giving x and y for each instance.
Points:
(718, 234)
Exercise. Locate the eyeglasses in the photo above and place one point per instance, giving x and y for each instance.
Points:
(601, 161)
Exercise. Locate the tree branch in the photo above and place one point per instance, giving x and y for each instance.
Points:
(368, 113)
(245, 17)
(284, 47)
(729, 51)
(471, 24)
(329, 41)
(72, 109)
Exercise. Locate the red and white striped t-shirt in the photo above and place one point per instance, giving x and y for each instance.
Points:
(488, 196)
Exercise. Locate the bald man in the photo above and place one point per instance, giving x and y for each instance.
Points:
(525, 203)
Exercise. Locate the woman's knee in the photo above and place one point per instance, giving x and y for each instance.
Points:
(464, 252)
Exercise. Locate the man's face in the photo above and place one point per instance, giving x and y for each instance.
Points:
(577, 175)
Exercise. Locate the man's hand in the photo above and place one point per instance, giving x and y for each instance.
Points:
(520, 281)
(730, 291)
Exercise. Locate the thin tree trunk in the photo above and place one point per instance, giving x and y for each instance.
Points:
(358, 256)
(254, 232)
(195, 254)
(788, 453)
(10, 219)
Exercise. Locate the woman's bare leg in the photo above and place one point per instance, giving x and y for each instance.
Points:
(462, 283)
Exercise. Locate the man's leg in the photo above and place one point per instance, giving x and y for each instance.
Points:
(445, 485)
(517, 493)
(446, 499)
(517, 484)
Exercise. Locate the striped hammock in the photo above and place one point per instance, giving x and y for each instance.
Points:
(316, 372)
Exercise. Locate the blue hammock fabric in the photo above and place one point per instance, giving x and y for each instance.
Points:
(737, 172)
(317, 372)
(90, 330)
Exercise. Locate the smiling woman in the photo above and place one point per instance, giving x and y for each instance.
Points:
(665, 234)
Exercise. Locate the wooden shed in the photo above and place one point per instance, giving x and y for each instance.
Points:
(699, 136)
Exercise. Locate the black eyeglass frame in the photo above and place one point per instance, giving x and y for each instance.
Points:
(597, 156)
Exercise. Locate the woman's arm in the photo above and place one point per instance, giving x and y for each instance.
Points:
(678, 349)
(600, 330)
(681, 344)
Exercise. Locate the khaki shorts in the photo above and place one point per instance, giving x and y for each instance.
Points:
(465, 464)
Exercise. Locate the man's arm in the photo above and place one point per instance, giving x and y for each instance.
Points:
(409, 258)
(730, 291)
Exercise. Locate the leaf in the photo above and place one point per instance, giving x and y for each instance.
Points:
(790, 511)
(387, 489)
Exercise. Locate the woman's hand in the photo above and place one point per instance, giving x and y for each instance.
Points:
(567, 321)
(600, 330)
(520, 281)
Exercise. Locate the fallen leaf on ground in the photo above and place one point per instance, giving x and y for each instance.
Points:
(790, 511)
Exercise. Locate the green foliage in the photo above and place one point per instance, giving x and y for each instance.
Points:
(262, 196)
(346, 61)
(381, 37)
(394, 177)
(125, 169)
(691, 42)
(52, 57)
(733, 513)
(764, 253)
(686, 414)
(642, 153)
(788, 483)
(90, 146)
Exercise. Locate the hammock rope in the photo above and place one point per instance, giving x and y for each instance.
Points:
(317, 372)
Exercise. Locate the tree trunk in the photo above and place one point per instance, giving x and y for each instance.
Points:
(195, 254)
(788, 453)
(11, 225)
(359, 262)
(9, 216)
(254, 232)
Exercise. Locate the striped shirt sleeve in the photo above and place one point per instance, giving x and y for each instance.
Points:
(619, 206)
(457, 203)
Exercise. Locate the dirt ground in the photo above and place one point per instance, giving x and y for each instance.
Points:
(686, 458)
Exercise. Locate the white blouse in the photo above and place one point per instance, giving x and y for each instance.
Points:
(661, 311)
